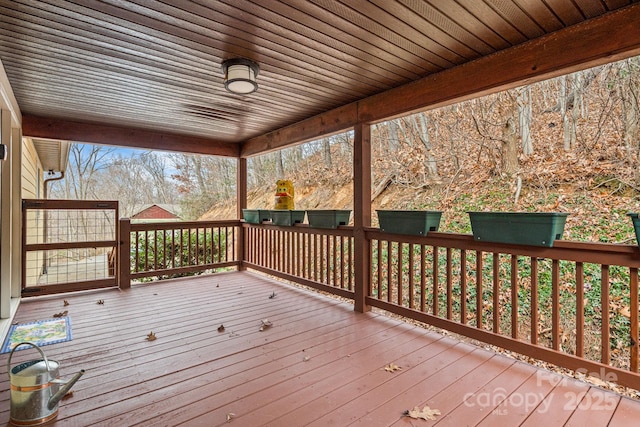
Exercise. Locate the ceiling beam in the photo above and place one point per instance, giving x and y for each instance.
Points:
(331, 122)
(601, 40)
(49, 128)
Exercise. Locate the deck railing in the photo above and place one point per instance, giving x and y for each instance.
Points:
(320, 258)
(574, 305)
(171, 249)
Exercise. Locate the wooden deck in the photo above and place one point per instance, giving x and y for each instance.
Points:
(320, 364)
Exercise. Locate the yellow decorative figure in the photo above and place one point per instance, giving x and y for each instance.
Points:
(284, 194)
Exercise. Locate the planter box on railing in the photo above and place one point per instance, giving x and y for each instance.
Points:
(328, 218)
(409, 222)
(287, 217)
(256, 216)
(636, 225)
(524, 228)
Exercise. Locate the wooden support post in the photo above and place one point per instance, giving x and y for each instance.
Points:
(6, 251)
(361, 213)
(242, 204)
(124, 254)
(16, 212)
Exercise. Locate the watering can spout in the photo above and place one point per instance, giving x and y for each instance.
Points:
(64, 390)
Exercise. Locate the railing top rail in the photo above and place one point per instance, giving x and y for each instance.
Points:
(342, 230)
(175, 225)
(589, 252)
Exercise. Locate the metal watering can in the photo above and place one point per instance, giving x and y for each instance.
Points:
(35, 389)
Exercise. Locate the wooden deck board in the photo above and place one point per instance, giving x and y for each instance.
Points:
(319, 364)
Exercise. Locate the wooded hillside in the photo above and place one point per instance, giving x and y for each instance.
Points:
(569, 144)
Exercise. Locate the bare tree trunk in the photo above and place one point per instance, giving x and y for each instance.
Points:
(197, 168)
(279, 165)
(509, 147)
(394, 141)
(569, 136)
(326, 152)
(420, 124)
(629, 92)
(524, 119)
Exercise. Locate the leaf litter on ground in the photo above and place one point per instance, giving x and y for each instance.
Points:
(392, 367)
(265, 324)
(425, 413)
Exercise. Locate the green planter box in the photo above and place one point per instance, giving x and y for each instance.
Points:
(256, 216)
(636, 225)
(328, 218)
(287, 217)
(417, 223)
(523, 228)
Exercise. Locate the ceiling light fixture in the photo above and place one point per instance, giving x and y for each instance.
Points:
(240, 75)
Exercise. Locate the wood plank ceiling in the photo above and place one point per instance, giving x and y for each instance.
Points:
(152, 68)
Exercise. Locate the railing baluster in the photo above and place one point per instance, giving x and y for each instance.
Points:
(316, 257)
(463, 286)
(350, 253)
(197, 248)
(411, 277)
(219, 231)
(399, 269)
(164, 248)
(423, 278)
(514, 296)
(633, 294)
(436, 281)
(343, 261)
(579, 309)
(449, 285)
(155, 249)
(322, 256)
(604, 294)
(496, 293)
(479, 294)
(555, 304)
(335, 261)
(305, 253)
(173, 249)
(389, 271)
(534, 300)
(379, 268)
(189, 251)
(146, 252)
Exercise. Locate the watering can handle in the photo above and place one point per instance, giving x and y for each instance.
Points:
(32, 345)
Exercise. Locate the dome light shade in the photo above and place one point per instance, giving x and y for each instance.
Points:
(240, 76)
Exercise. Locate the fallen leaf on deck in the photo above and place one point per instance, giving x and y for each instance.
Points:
(392, 367)
(221, 328)
(426, 413)
(266, 324)
(306, 359)
(272, 296)
(66, 303)
(230, 415)
(151, 336)
(101, 302)
(61, 314)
